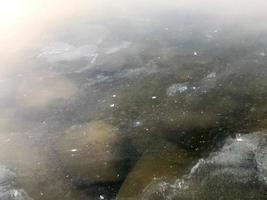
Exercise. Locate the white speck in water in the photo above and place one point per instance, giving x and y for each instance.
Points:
(215, 31)
(101, 197)
(154, 97)
(74, 150)
(16, 193)
(112, 105)
(8, 140)
(239, 138)
(114, 95)
(195, 53)
(137, 123)
(42, 194)
(262, 54)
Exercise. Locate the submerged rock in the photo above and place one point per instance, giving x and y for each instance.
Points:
(163, 161)
(33, 168)
(40, 92)
(236, 171)
(8, 190)
(186, 99)
(91, 153)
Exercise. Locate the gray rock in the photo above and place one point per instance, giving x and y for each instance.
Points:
(8, 190)
(236, 171)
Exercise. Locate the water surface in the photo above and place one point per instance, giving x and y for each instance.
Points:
(133, 100)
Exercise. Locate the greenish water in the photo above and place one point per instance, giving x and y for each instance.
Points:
(152, 102)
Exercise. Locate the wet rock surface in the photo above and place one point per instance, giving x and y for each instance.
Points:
(234, 171)
(166, 161)
(32, 167)
(8, 189)
(92, 153)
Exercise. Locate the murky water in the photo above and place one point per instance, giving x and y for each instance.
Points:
(134, 100)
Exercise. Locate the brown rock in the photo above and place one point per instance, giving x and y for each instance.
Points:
(163, 162)
(36, 172)
(91, 153)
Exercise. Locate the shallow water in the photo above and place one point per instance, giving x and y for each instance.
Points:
(134, 100)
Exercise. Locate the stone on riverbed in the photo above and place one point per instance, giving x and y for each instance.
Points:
(91, 153)
(8, 190)
(163, 161)
(33, 167)
(184, 97)
(236, 171)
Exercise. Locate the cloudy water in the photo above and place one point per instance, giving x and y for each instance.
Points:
(133, 100)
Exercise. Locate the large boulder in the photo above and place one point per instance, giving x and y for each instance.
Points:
(236, 171)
